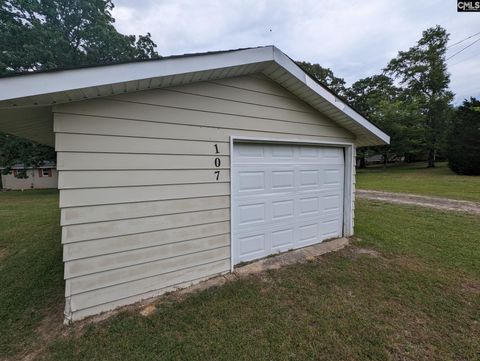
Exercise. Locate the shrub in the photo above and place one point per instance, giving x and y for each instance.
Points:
(464, 139)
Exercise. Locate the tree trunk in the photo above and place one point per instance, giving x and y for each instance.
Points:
(431, 158)
(363, 163)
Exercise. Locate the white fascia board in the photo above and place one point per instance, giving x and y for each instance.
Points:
(58, 81)
(35, 84)
(285, 62)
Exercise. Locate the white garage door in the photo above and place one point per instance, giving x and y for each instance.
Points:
(284, 197)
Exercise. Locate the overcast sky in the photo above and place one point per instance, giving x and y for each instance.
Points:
(355, 38)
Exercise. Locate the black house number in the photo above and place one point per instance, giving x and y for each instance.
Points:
(217, 163)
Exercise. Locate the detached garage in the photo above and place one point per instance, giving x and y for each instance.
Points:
(172, 171)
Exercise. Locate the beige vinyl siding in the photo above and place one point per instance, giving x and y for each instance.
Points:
(96, 247)
(354, 182)
(120, 178)
(110, 212)
(142, 210)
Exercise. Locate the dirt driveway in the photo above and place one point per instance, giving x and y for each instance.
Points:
(423, 201)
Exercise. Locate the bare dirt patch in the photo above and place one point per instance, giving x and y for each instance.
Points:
(423, 201)
(48, 330)
(3, 252)
(366, 251)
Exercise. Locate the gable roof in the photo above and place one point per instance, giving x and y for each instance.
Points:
(26, 100)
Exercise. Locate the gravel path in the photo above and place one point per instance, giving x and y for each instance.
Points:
(423, 201)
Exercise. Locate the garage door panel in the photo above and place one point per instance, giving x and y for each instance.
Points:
(271, 222)
(252, 213)
(283, 239)
(250, 181)
(332, 203)
(250, 153)
(309, 153)
(251, 246)
(331, 228)
(283, 209)
(273, 208)
(308, 206)
(332, 177)
(283, 180)
(308, 178)
(256, 179)
(285, 197)
(308, 233)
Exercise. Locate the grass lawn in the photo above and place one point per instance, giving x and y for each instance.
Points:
(30, 265)
(414, 296)
(417, 179)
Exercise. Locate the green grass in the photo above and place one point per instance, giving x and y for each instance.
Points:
(417, 179)
(30, 265)
(418, 300)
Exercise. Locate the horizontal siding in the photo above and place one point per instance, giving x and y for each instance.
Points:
(164, 100)
(108, 144)
(142, 209)
(226, 92)
(100, 213)
(94, 196)
(189, 125)
(257, 84)
(205, 113)
(144, 257)
(80, 124)
(125, 178)
(79, 314)
(97, 247)
(87, 231)
(109, 161)
(144, 285)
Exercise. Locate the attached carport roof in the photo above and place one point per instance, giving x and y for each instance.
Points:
(26, 100)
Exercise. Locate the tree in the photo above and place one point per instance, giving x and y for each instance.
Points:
(50, 34)
(385, 105)
(324, 76)
(422, 73)
(366, 94)
(16, 150)
(464, 139)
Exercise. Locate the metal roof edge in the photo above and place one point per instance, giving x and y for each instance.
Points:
(38, 83)
(289, 65)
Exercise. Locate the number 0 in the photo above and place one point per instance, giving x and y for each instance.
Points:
(217, 162)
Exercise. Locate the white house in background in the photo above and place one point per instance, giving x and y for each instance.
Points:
(38, 178)
(172, 171)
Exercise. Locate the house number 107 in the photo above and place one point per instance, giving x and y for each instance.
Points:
(217, 163)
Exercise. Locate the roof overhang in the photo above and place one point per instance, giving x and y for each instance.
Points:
(26, 100)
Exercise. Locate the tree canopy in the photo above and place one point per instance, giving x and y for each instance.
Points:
(42, 35)
(324, 76)
(464, 139)
(410, 100)
(382, 102)
(15, 150)
(422, 74)
(50, 34)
